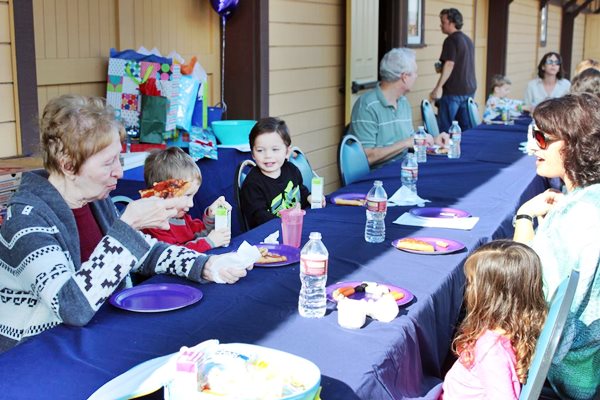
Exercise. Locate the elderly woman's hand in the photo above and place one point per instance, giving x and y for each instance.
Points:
(539, 205)
(152, 212)
(442, 140)
(215, 271)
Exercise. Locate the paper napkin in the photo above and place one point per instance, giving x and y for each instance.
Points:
(406, 197)
(450, 223)
(273, 238)
(245, 256)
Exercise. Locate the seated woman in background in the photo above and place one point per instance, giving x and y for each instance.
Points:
(63, 248)
(549, 83)
(567, 132)
(498, 101)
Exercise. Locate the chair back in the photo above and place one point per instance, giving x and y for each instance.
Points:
(352, 160)
(121, 202)
(301, 162)
(240, 174)
(549, 337)
(429, 118)
(473, 112)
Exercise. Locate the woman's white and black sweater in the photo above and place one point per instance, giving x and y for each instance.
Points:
(42, 280)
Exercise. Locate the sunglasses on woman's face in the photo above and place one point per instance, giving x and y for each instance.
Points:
(541, 138)
(552, 62)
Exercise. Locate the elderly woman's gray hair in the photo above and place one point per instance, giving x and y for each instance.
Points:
(396, 62)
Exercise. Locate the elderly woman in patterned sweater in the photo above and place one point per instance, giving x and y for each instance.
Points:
(63, 247)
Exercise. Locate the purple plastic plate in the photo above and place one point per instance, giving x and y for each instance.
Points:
(348, 196)
(453, 245)
(408, 296)
(156, 297)
(439, 212)
(292, 254)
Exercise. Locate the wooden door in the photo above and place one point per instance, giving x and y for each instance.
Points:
(362, 31)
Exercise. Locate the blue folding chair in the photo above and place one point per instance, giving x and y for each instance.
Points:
(474, 117)
(121, 202)
(352, 160)
(429, 118)
(549, 337)
(301, 162)
(240, 174)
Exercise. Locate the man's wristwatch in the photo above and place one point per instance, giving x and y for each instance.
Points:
(521, 216)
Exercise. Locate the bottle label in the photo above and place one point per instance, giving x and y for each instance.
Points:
(376, 206)
(420, 141)
(313, 266)
(410, 173)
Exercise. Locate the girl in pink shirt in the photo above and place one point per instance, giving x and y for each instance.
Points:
(505, 312)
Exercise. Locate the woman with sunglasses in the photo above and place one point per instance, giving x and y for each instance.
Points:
(567, 133)
(549, 83)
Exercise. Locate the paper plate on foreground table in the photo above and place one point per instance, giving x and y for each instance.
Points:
(292, 254)
(156, 297)
(349, 199)
(153, 374)
(437, 243)
(408, 296)
(439, 212)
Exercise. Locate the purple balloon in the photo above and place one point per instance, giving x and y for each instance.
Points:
(224, 7)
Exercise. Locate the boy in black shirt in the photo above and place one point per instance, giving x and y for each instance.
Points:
(276, 184)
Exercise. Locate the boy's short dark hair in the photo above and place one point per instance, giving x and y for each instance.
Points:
(499, 80)
(453, 16)
(170, 163)
(268, 125)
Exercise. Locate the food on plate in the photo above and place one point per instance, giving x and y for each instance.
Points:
(267, 257)
(434, 150)
(442, 243)
(415, 244)
(166, 189)
(343, 292)
(397, 295)
(350, 202)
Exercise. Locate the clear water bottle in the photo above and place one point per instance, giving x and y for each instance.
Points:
(455, 138)
(421, 145)
(376, 210)
(410, 172)
(314, 258)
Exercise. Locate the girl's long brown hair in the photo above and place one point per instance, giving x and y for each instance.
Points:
(504, 290)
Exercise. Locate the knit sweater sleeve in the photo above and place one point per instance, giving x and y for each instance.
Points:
(36, 253)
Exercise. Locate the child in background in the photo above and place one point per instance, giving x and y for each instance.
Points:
(174, 163)
(505, 311)
(498, 100)
(276, 184)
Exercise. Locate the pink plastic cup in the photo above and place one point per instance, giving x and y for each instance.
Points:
(291, 226)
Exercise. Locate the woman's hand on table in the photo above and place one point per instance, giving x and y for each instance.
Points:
(215, 272)
(152, 212)
(539, 205)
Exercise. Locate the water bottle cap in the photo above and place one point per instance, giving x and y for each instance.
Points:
(377, 183)
(315, 236)
(454, 122)
(421, 128)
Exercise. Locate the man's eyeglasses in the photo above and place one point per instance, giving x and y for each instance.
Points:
(552, 62)
(541, 138)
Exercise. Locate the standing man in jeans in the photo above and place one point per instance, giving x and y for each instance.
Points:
(457, 79)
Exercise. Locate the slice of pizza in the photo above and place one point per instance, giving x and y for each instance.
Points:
(166, 189)
(415, 244)
(267, 257)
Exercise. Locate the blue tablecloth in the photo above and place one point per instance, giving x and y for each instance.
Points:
(217, 180)
(398, 360)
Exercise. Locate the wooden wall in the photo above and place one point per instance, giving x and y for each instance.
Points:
(591, 43)
(73, 39)
(306, 67)
(578, 42)
(8, 112)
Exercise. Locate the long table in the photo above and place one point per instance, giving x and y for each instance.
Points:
(403, 359)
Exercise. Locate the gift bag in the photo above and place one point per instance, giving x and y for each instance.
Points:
(203, 143)
(153, 118)
(126, 71)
